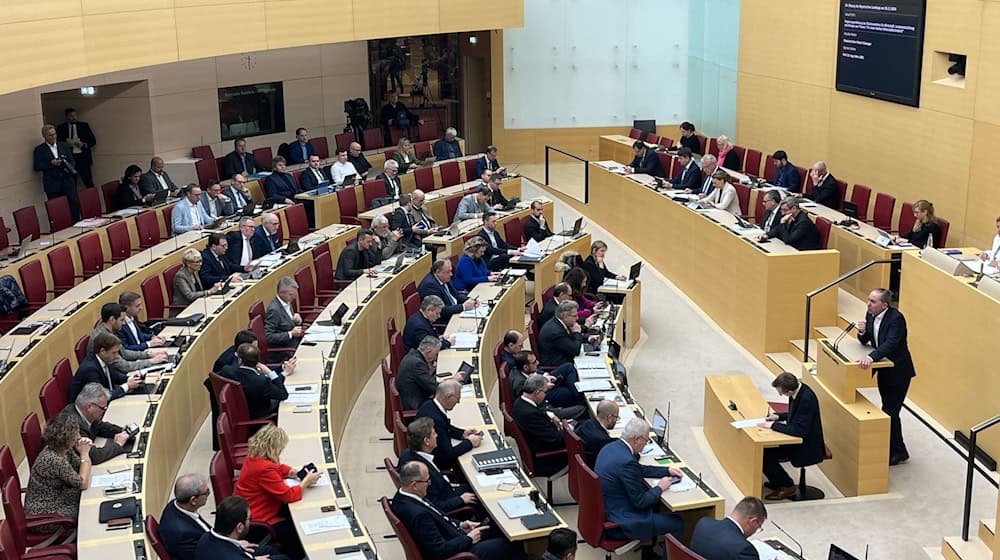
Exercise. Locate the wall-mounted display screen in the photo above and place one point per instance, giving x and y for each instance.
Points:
(251, 110)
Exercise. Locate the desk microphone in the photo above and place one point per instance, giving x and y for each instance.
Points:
(734, 408)
(789, 536)
(836, 341)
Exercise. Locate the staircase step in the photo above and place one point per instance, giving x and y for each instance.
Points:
(783, 361)
(987, 530)
(828, 332)
(954, 548)
(796, 347)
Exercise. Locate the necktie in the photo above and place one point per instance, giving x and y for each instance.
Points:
(247, 255)
(135, 331)
(707, 186)
(237, 199)
(270, 242)
(319, 176)
(243, 160)
(447, 291)
(305, 154)
(72, 131)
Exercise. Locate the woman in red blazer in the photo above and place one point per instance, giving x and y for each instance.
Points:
(262, 483)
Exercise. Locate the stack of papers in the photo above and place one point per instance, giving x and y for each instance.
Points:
(532, 250)
(747, 423)
(484, 479)
(335, 522)
(618, 284)
(624, 415)
(303, 393)
(588, 385)
(465, 340)
(116, 479)
(476, 312)
(683, 486)
(518, 507)
(92, 222)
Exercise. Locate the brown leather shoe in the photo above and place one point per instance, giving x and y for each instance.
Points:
(781, 493)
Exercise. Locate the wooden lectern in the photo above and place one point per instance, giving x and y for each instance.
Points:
(840, 371)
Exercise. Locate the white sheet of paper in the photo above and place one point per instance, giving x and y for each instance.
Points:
(317, 328)
(683, 486)
(335, 522)
(624, 415)
(747, 423)
(590, 362)
(465, 340)
(515, 271)
(533, 249)
(592, 373)
(302, 398)
(484, 479)
(468, 391)
(766, 552)
(320, 337)
(594, 385)
(476, 312)
(651, 449)
(116, 479)
(617, 284)
(518, 507)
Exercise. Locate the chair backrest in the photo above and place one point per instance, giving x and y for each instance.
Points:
(264, 156)
(168, 280)
(429, 130)
(713, 147)
(702, 143)
(450, 175)
(411, 304)
(884, 205)
(31, 437)
(307, 290)
(861, 196)
(652, 138)
(324, 271)
(769, 167)
(906, 219)
(590, 519)
(14, 515)
(256, 310)
(635, 133)
(399, 433)
(257, 326)
(149, 229)
(298, 225)
(391, 469)
(397, 402)
(26, 222)
(90, 203)
(743, 194)
(823, 225)
(33, 282)
(469, 166)
(202, 152)
(675, 167)
(63, 374)
(547, 295)
(168, 213)
(152, 297)
(677, 551)
(220, 168)
(371, 139)
(513, 231)
(751, 164)
(451, 207)
(372, 189)
(233, 400)
(945, 225)
(574, 448)
(387, 381)
(498, 354)
(4, 230)
(320, 249)
(91, 254)
(805, 179)
(407, 289)
(207, 171)
(153, 533)
(227, 445)
(119, 241)
(758, 207)
(741, 153)
(503, 382)
(348, 202)
(396, 351)
(410, 548)
(533, 311)
(512, 430)
(842, 189)
(666, 142)
(343, 140)
(52, 397)
(533, 331)
(423, 177)
(58, 212)
(80, 348)
(666, 161)
(8, 468)
(220, 473)
(421, 149)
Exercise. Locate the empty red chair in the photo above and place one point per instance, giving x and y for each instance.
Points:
(53, 401)
(343, 140)
(884, 205)
(408, 289)
(424, 178)
(513, 232)
(861, 196)
(805, 179)
(666, 142)
(80, 348)
(58, 212)
(17, 527)
(235, 452)
(396, 350)
(62, 270)
(743, 193)
(149, 229)
(769, 167)
(233, 401)
(423, 149)
(264, 156)
(652, 138)
(666, 161)
(8, 469)
(429, 130)
(470, 170)
(168, 212)
(906, 219)
(372, 189)
(31, 437)
(152, 298)
(26, 222)
(399, 432)
(207, 171)
(945, 225)
(153, 534)
(168, 282)
(371, 139)
(33, 284)
(220, 167)
(119, 241)
(823, 225)
(309, 304)
(325, 282)
(451, 207)
(298, 225)
(320, 146)
(675, 167)
(202, 152)
(63, 374)
(450, 174)
(713, 147)
(411, 304)
(635, 134)
(842, 189)
(4, 230)
(348, 202)
(108, 194)
(751, 165)
(91, 254)
(256, 310)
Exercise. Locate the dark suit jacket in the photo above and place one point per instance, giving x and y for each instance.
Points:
(440, 492)
(130, 342)
(55, 179)
(787, 176)
(401, 220)
(501, 248)
(353, 261)
(435, 536)
(211, 547)
(308, 179)
(800, 233)
(891, 344)
(295, 152)
(541, 435)
(417, 327)
(262, 243)
(125, 198)
(803, 420)
(826, 193)
(149, 184)
(497, 197)
(721, 539)
(415, 381)
(775, 225)
(595, 274)
(84, 133)
(226, 358)
(430, 286)
(260, 391)
(446, 454)
(548, 311)
(594, 437)
(731, 161)
(533, 230)
(231, 164)
(281, 185)
(689, 177)
(179, 533)
(648, 163)
(90, 371)
(277, 323)
(627, 500)
(393, 187)
(557, 345)
(98, 428)
(215, 270)
(692, 143)
(484, 163)
(235, 249)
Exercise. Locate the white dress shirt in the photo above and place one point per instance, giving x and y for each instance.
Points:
(340, 170)
(54, 148)
(247, 255)
(876, 325)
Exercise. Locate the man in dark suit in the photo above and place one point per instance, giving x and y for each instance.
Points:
(884, 328)
(772, 213)
(560, 339)
(689, 176)
(55, 160)
(493, 180)
(795, 228)
(356, 259)
(438, 283)
(232, 523)
(446, 454)
(134, 334)
(81, 140)
(594, 432)
(536, 227)
(240, 161)
(422, 440)
(786, 175)
(627, 500)
(214, 266)
(417, 379)
(314, 175)
(401, 220)
(264, 389)
(390, 175)
(645, 161)
(436, 534)
(498, 252)
(282, 325)
(825, 190)
(358, 159)
(280, 185)
(88, 409)
(560, 293)
(181, 526)
(726, 539)
(489, 161)
(802, 420)
(421, 324)
(540, 430)
(709, 164)
(95, 368)
(156, 179)
(265, 236)
(561, 396)
(301, 148)
(513, 342)
(240, 247)
(238, 192)
(228, 356)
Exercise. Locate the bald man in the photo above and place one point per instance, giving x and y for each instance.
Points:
(596, 432)
(825, 190)
(156, 179)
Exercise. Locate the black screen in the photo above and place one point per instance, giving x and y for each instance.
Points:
(880, 49)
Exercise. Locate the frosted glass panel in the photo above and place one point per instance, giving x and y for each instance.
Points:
(596, 63)
(713, 52)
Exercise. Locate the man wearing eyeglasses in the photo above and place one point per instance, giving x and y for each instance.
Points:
(596, 432)
(181, 526)
(88, 409)
(727, 538)
(238, 192)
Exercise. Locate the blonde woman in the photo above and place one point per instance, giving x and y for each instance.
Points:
(187, 281)
(262, 483)
(723, 195)
(471, 268)
(727, 155)
(595, 267)
(405, 157)
(925, 225)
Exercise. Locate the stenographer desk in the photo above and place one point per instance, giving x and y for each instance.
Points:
(754, 291)
(169, 423)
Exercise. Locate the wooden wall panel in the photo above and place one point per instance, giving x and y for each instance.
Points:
(383, 18)
(777, 39)
(983, 202)
(205, 30)
(947, 30)
(473, 15)
(20, 66)
(776, 114)
(304, 22)
(95, 7)
(988, 83)
(15, 11)
(116, 41)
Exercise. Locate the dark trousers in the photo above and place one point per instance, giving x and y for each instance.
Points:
(892, 402)
(775, 473)
(498, 262)
(69, 191)
(83, 169)
(564, 394)
(495, 546)
(287, 537)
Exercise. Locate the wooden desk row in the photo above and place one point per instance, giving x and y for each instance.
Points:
(449, 244)
(434, 201)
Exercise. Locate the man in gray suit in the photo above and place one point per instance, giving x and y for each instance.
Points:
(88, 411)
(473, 205)
(156, 179)
(112, 321)
(282, 325)
(215, 203)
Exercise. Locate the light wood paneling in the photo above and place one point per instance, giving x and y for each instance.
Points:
(180, 78)
(775, 114)
(37, 40)
(115, 41)
(303, 103)
(791, 40)
(204, 30)
(987, 108)
(285, 64)
(383, 18)
(947, 30)
(303, 22)
(983, 204)
(471, 15)
(95, 7)
(15, 11)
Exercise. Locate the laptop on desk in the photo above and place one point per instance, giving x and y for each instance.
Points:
(577, 225)
(349, 180)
